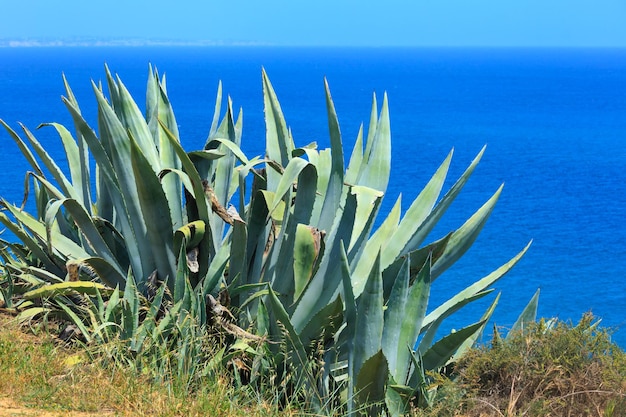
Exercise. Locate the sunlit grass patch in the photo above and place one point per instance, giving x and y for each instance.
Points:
(37, 373)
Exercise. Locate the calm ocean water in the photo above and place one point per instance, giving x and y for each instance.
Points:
(554, 122)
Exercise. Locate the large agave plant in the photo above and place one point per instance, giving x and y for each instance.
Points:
(337, 288)
(136, 241)
(342, 304)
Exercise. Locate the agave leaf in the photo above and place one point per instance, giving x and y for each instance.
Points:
(471, 341)
(210, 155)
(59, 243)
(283, 275)
(416, 214)
(306, 248)
(463, 238)
(369, 318)
(435, 215)
(51, 165)
(356, 159)
(405, 313)
(162, 113)
(258, 232)
(216, 112)
(371, 383)
(287, 180)
(207, 247)
(103, 269)
(394, 313)
(371, 130)
(350, 318)
(30, 243)
(299, 356)
(191, 233)
(109, 178)
(23, 148)
(368, 203)
(229, 144)
(397, 398)
(324, 285)
(113, 134)
(30, 313)
(65, 288)
(78, 171)
(77, 321)
(334, 190)
(159, 229)
(130, 309)
(83, 153)
(279, 144)
(362, 264)
(36, 276)
(238, 247)
(220, 172)
(325, 324)
(439, 353)
(475, 288)
(91, 234)
(224, 167)
(431, 328)
(376, 167)
(131, 117)
(112, 304)
(323, 165)
(528, 315)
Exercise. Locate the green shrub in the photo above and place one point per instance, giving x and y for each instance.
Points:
(542, 370)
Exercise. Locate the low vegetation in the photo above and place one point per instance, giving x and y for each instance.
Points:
(547, 370)
(40, 372)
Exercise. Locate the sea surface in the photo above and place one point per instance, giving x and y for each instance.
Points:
(553, 120)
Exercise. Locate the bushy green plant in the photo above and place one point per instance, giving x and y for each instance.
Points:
(335, 310)
(548, 369)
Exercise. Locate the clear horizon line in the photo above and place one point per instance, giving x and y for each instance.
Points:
(140, 42)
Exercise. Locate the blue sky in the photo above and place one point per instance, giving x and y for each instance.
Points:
(325, 22)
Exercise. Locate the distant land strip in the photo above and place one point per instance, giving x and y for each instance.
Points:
(38, 43)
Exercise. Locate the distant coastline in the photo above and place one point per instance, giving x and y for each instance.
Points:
(51, 43)
(141, 42)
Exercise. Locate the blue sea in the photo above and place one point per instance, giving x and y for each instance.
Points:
(553, 120)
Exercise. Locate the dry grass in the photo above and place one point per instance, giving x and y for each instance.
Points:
(36, 378)
(567, 371)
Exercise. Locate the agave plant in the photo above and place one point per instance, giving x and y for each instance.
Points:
(342, 304)
(335, 282)
(101, 244)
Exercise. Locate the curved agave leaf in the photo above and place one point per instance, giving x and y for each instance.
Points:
(376, 166)
(405, 313)
(108, 178)
(159, 229)
(92, 237)
(333, 195)
(65, 288)
(369, 319)
(467, 295)
(78, 169)
(371, 383)
(438, 354)
(158, 110)
(279, 143)
(397, 242)
(528, 315)
(463, 238)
